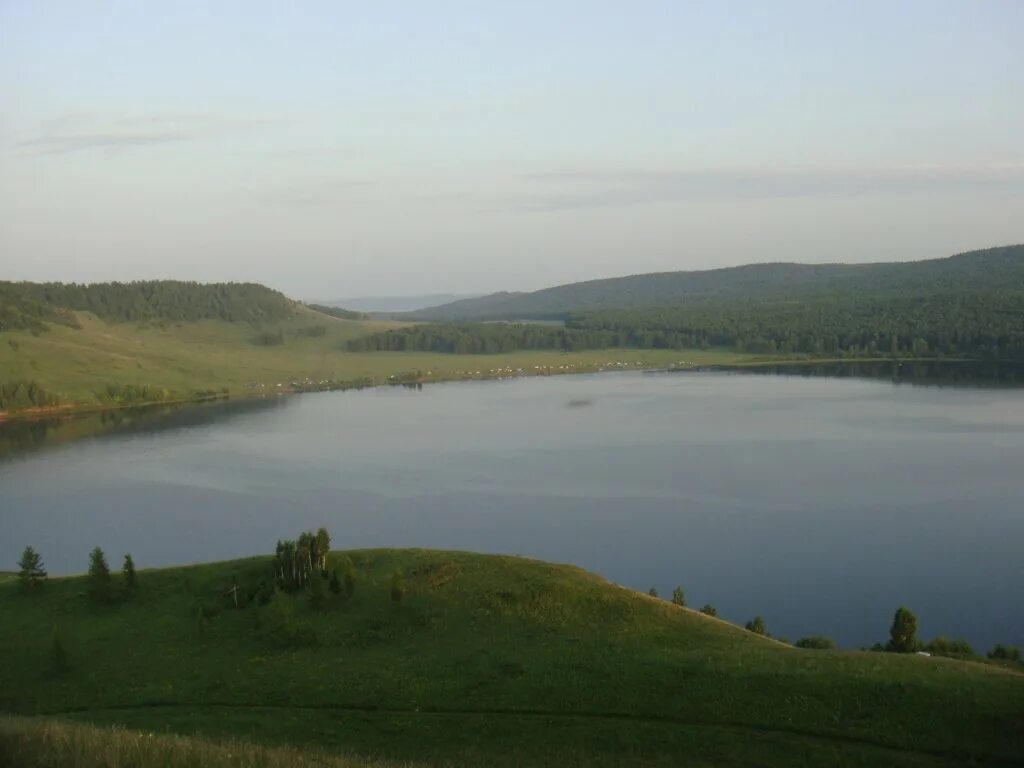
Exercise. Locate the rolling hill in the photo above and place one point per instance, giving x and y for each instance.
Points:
(994, 269)
(486, 660)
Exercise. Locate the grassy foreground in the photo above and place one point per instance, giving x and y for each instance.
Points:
(77, 364)
(487, 661)
(35, 743)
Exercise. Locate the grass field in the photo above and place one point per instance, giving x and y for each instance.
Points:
(77, 363)
(489, 661)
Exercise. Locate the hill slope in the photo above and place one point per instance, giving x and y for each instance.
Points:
(488, 660)
(995, 269)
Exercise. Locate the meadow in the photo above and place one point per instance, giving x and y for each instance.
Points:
(233, 358)
(485, 660)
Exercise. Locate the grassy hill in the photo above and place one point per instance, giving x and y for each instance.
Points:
(487, 661)
(995, 269)
(113, 345)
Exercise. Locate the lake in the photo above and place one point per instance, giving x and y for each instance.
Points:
(820, 503)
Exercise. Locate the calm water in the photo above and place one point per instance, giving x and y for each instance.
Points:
(820, 503)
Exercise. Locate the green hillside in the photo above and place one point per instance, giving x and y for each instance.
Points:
(992, 270)
(485, 660)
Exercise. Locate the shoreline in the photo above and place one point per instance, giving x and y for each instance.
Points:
(75, 410)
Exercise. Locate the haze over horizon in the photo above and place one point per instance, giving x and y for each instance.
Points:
(397, 149)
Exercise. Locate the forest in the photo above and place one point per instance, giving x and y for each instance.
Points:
(981, 326)
(31, 306)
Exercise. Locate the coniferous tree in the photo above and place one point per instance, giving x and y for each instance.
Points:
(30, 569)
(99, 576)
(903, 632)
(678, 598)
(128, 572)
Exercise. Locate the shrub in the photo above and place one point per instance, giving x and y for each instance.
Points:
(652, 592)
(335, 584)
(349, 577)
(709, 610)
(1005, 653)
(943, 646)
(757, 626)
(678, 597)
(317, 591)
(817, 642)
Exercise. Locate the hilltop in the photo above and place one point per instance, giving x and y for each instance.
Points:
(486, 660)
(995, 269)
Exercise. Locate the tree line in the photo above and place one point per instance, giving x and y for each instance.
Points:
(981, 326)
(30, 306)
(15, 395)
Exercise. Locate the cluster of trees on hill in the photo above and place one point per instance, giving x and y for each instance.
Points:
(31, 305)
(989, 326)
(984, 326)
(479, 338)
(15, 395)
(344, 314)
(297, 561)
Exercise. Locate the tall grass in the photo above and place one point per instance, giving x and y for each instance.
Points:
(41, 743)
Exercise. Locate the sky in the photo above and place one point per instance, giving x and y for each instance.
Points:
(352, 148)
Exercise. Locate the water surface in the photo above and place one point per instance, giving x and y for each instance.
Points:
(820, 503)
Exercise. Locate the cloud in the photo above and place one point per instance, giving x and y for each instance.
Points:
(84, 131)
(554, 191)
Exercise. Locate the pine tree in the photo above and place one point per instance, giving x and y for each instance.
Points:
(678, 598)
(30, 569)
(128, 572)
(99, 576)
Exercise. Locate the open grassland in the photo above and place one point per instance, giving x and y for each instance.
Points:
(36, 743)
(77, 364)
(487, 661)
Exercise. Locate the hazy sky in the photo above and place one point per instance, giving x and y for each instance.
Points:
(347, 148)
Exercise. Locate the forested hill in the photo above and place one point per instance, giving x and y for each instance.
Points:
(33, 305)
(992, 270)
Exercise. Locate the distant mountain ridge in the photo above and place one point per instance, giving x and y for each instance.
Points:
(384, 304)
(992, 269)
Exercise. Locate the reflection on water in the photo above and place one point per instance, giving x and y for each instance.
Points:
(926, 373)
(18, 437)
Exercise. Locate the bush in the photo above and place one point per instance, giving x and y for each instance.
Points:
(678, 597)
(757, 626)
(1005, 653)
(709, 610)
(652, 592)
(943, 646)
(349, 578)
(817, 642)
(317, 591)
